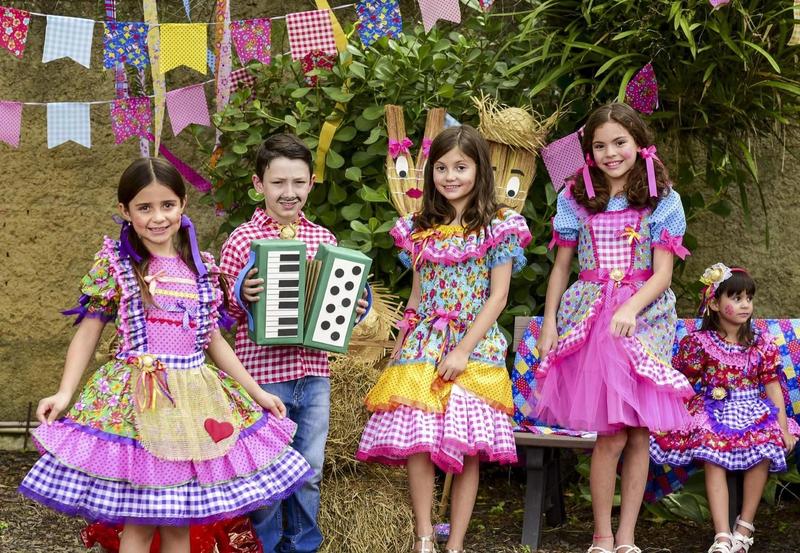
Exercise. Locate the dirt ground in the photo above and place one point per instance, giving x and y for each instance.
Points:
(26, 527)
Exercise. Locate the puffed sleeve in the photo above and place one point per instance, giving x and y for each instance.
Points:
(668, 225)
(99, 290)
(401, 232)
(509, 236)
(689, 358)
(566, 223)
(218, 311)
(770, 367)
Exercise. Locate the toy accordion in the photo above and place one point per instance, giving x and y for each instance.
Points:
(304, 302)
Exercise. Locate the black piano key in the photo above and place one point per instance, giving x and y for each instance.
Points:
(288, 294)
(287, 321)
(289, 257)
(288, 283)
(289, 269)
(284, 332)
(288, 304)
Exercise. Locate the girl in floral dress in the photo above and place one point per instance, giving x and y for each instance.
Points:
(739, 416)
(445, 399)
(158, 437)
(605, 343)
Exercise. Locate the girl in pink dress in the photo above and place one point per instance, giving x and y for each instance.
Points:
(159, 438)
(606, 342)
(739, 417)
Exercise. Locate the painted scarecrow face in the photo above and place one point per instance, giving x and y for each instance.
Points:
(514, 169)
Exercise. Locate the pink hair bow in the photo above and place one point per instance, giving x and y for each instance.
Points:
(648, 155)
(399, 147)
(426, 146)
(674, 244)
(587, 177)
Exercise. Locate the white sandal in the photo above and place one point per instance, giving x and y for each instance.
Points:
(741, 542)
(631, 549)
(426, 544)
(597, 549)
(722, 546)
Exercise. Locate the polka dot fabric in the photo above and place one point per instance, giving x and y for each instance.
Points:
(184, 44)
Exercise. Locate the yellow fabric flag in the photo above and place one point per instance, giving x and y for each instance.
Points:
(184, 44)
(159, 84)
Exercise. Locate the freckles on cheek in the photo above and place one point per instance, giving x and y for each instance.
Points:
(728, 310)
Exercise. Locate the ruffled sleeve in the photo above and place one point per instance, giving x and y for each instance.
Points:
(689, 359)
(566, 223)
(217, 310)
(99, 290)
(509, 234)
(770, 367)
(401, 232)
(668, 225)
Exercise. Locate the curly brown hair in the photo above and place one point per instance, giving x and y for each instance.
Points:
(636, 188)
(482, 206)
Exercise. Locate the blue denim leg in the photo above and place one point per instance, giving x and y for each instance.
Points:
(307, 404)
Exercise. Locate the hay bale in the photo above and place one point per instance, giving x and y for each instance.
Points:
(366, 512)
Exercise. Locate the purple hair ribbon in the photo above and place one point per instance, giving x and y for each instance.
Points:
(198, 260)
(648, 155)
(125, 246)
(587, 177)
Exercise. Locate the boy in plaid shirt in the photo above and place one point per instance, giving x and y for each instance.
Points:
(299, 376)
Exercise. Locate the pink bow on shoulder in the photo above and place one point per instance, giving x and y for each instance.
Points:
(674, 244)
(399, 147)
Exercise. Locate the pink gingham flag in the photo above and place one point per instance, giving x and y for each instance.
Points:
(10, 122)
(311, 30)
(433, 10)
(186, 106)
(563, 158)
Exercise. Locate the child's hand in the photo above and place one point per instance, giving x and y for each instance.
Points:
(271, 403)
(361, 306)
(623, 323)
(789, 441)
(453, 365)
(251, 287)
(50, 407)
(548, 338)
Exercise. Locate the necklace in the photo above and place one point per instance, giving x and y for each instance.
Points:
(288, 232)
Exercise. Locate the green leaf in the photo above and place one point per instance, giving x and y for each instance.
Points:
(240, 149)
(613, 61)
(372, 195)
(351, 211)
(748, 159)
(336, 194)
(334, 160)
(374, 135)
(257, 197)
(300, 92)
(337, 94)
(764, 53)
(345, 134)
(353, 174)
(372, 113)
(721, 208)
(358, 226)
(240, 126)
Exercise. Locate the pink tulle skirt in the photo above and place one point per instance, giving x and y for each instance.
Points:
(596, 387)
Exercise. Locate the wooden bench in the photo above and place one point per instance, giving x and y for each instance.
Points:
(544, 496)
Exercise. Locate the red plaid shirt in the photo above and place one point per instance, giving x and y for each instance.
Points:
(271, 363)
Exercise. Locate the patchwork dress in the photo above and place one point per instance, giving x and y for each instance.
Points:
(591, 380)
(158, 436)
(734, 425)
(414, 410)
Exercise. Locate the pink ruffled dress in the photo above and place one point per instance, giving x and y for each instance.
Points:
(158, 436)
(593, 381)
(415, 411)
(734, 425)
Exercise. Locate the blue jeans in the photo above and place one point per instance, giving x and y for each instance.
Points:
(291, 526)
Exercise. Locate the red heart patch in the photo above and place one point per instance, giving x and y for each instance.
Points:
(218, 430)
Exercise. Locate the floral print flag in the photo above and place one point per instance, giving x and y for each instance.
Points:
(125, 43)
(252, 39)
(14, 30)
(378, 18)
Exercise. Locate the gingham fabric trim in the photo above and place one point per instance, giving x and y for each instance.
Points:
(68, 121)
(68, 37)
(611, 250)
(739, 459)
(311, 30)
(178, 362)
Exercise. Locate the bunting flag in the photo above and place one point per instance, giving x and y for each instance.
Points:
(311, 30)
(377, 19)
(184, 44)
(68, 37)
(486, 5)
(563, 158)
(794, 40)
(252, 40)
(130, 117)
(434, 10)
(186, 106)
(10, 122)
(222, 50)
(125, 43)
(717, 3)
(241, 79)
(313, 60)
(14, 30)
(68, 121)
(154, 49)
(642, 90)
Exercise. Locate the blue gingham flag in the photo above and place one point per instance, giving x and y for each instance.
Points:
(68, 121)
(68, 37)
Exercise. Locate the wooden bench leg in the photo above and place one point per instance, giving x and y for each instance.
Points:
(735, 495)
(555, 514)
(534, 496)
